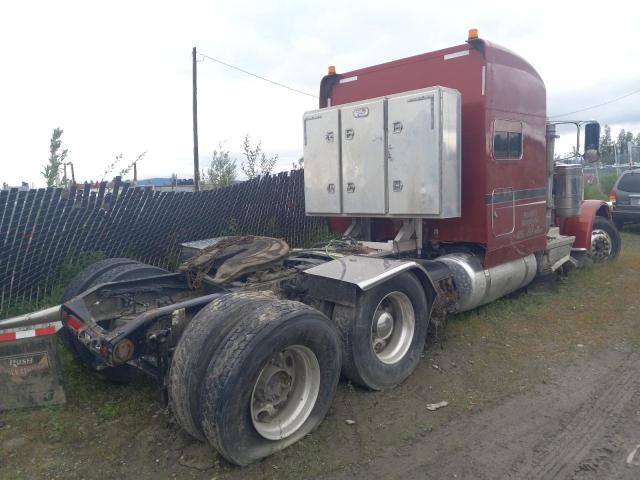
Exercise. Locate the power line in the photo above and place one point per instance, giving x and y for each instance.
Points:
(256, 76)
(596, 106)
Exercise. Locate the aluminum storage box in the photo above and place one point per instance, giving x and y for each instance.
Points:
(363, 158)
(399, 156)
(322, 161)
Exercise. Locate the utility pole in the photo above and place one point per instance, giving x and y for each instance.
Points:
(196, 160)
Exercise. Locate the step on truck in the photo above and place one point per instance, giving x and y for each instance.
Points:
(437, 175)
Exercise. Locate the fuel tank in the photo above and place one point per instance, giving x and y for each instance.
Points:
(477, 286)
(567, 189)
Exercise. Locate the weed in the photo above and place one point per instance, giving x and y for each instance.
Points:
(600, 191)
(54, 284)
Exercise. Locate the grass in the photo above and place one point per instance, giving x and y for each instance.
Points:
(96, 410)
(601, 191)
(54, 284)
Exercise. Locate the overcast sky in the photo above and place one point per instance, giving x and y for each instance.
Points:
(116, 76)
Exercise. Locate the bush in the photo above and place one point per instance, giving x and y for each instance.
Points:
(600, 192)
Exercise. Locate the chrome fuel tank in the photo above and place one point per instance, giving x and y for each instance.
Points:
(477, 286)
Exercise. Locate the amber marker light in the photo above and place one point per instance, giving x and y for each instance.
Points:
(332, 70)
(473, 34)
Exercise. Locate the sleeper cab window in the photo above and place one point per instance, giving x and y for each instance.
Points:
(507, 140)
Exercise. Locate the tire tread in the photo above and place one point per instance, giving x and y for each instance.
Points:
(195, 349)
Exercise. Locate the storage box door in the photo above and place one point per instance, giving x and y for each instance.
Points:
(414, 154)
(322, 162)
(363, 158)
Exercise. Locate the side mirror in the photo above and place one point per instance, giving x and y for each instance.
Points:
(591, 142)
(592, 136)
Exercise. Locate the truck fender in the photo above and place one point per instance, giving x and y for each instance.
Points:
(341, 280)
(580, 226)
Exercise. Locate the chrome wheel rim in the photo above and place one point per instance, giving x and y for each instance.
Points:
(392, 327)
(285, 392)
(601, 245)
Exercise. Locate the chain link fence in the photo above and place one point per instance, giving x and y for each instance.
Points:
(41, 229)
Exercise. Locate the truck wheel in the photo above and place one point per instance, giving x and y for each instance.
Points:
(383, 336)
(271, 382)
(200, 340)
(605, 240)
(84, 280)
(618, 223)
(109, 270)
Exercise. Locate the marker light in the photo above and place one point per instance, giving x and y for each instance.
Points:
(332, 70)
(473, 34)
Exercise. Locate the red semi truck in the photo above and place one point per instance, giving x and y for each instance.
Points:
(438, 171)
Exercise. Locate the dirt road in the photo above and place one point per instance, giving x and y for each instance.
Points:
(538, 386)
(583, 424)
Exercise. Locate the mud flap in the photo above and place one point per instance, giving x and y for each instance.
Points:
(30, 367)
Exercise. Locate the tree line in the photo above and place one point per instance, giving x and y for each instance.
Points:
(610, 148)
(57, 164)
(222, 170)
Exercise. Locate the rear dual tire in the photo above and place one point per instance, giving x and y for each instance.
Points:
(198, 343)
(383, 336)
(270, 378)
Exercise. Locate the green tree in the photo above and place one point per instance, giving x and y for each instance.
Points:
(623, 138)
(111, 167)
(629, 137)
(621, 143)
(299, 165)
(123, 171)
(51, 170)
(222, 170)
(606, 146)
(255, 161)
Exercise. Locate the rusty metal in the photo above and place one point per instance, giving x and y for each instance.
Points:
(444, 304)
(123, 351)
(30, 373)
(198, 266)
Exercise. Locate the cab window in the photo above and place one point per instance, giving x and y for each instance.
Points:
(507, 140)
